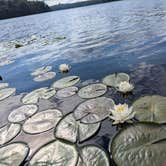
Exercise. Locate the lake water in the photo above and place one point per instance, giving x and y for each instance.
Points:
(124, 36)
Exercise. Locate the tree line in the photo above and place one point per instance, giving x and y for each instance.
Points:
(15, 8)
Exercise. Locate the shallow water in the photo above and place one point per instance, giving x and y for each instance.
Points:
(124, 36)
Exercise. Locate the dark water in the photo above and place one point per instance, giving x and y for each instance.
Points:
(125, 36)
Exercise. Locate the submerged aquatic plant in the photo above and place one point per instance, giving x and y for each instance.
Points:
(64, 68)
(125, 87)
(121, 113)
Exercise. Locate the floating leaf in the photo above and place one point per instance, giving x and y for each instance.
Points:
(94, 110)
(34, 96)
(70, 129)
(42, 121)
(140, 144)
(56, 153)
(45, 76)
(151, 109)
(8, 132)
(92, 91)
(91, 155)
(66, 82)
(67, 92)
(41, 70)
(114, 79)
(21, 113)
(13, 154)
(5, 93)
(3, 85)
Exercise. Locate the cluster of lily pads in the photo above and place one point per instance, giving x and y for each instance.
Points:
(142, 141)
(43, 74)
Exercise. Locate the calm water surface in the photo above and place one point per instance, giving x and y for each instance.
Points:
(125, 36)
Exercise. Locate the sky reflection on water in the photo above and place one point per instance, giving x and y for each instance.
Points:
(100, 40)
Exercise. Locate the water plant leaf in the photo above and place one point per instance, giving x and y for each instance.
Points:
(8, 132)
(6, 92)
(42, 121)
(71, 130)
(45, 76)
(114, 79)
(13, 154)
(21, 113)
(3, 85)
(151, 109)
(41, 93)
(41, 70)
(66, 82)
(55, 153)
(94, 110)
(140, 144)
(93, 155)
(67, 92)
(92, 91)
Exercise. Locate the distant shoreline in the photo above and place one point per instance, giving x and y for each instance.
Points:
(18, 8)
(79, 4)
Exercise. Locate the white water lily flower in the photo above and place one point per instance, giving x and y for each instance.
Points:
(125, 87)
(64, 68)
(121, 113)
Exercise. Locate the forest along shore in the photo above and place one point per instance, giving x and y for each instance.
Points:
(16, 8)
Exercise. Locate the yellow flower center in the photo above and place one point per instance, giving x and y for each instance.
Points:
(120, 108)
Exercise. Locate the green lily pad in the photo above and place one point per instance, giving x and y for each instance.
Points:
(41, 70)
(114, 79)
(13, 154)
(45, 76)
(94, 110)
(91, 155)
(21, 113)
(3, 85)
(5, 93)
(92, 91)
(67, 92)
(150, 109)
(8, 132)
(56, 153)
(42, 93)
(140, 144)
(42, 121)
(71, 130)
(66, 82)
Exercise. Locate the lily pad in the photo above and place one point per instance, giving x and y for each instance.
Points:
(42, 121)
(94, 110)
(8, 132)
(70, 129)
(21, 113)
(114, 79)
(45, 76)
(34, 96)
(91, 155)
(3, 85)
(56, 153)
(5, 93)
(13, 154)
(92, 91)
(66, 82)
(140, 144)
(150, 109)
(41, 70)
(67, 92)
